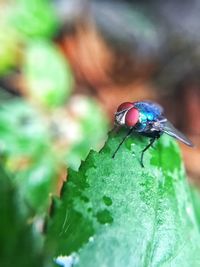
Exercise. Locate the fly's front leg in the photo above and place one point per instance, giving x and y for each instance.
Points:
(152, 140)
(126, 136)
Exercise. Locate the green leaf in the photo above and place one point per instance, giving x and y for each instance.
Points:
(21, 246)
(48, 75)
(22, 130)
(113, 212)
(38, 181)
(9, 43)
(26, 146)
(33, 18)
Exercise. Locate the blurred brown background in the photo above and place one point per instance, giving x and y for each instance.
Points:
(116, 51)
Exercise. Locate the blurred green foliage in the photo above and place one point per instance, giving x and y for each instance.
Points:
(21, 21)
(29, 149)
(93, 126)
(46, 129)
(33, 18)
(47, 74)
(25, 145)
(20, 244)
(8, 47)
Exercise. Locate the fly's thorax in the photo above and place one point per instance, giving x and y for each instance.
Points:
(148, 113)
(146, 122)
(146, 116)
(143, 122)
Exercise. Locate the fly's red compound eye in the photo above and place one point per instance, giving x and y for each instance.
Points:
(132, 117)
(124, 106)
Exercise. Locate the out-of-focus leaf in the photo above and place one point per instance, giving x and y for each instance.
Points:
(30, 144)
(33, 18)
(113, 212)
(25, 142)
(4, 96)
(22, 129)
(9, 42)
(47, 74)
(93, 126)
(20, 245)
(39, 181)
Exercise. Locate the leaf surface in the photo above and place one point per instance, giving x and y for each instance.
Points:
(113, 212)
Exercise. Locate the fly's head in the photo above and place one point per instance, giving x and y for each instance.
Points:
(127, 115)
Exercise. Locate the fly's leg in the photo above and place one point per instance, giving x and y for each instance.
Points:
(152, 140)
(126, 136)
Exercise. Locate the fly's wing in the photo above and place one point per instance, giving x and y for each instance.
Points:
(169, 129)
